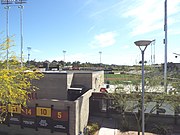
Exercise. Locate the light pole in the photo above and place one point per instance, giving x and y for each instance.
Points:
(100, 57)
(13, 3)
(153, 53)
(142, 44)
(64, 52)
(7, 33)
(21, 29)
(165, 48)
(29, 49)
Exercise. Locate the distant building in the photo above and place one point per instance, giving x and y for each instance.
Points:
(172, 66)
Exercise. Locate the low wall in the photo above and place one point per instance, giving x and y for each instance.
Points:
(75, 115)
(82, 112)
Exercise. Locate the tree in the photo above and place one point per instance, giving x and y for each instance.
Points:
(15, 80)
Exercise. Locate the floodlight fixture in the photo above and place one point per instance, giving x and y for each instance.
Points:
(13, 2)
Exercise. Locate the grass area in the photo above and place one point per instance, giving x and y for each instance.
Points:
(122, 78)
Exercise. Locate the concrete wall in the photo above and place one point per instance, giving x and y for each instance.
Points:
(78, 114)
(90, 79)
(97, 80)
(82, 112)
(84, 79)
(52, 86)
(79, 110)
(69, 79)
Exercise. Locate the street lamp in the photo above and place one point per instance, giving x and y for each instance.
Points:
(142, 44)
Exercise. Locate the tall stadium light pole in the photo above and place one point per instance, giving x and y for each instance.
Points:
(153, 52)
(100, 53)
(165, 48)
(7, 34)
(142, 44)
(13, 2)
(7, 7)
(29, 49)
(154, 56)
(64, 52)
(21, 31)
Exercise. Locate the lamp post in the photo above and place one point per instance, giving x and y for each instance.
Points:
(142, 44)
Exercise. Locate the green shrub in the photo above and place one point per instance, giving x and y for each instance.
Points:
(92, 128)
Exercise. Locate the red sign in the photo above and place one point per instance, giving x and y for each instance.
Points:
(60, 115)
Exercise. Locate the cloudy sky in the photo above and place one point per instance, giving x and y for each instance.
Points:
(83, 28)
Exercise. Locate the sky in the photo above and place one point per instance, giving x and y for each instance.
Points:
(84, 28)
